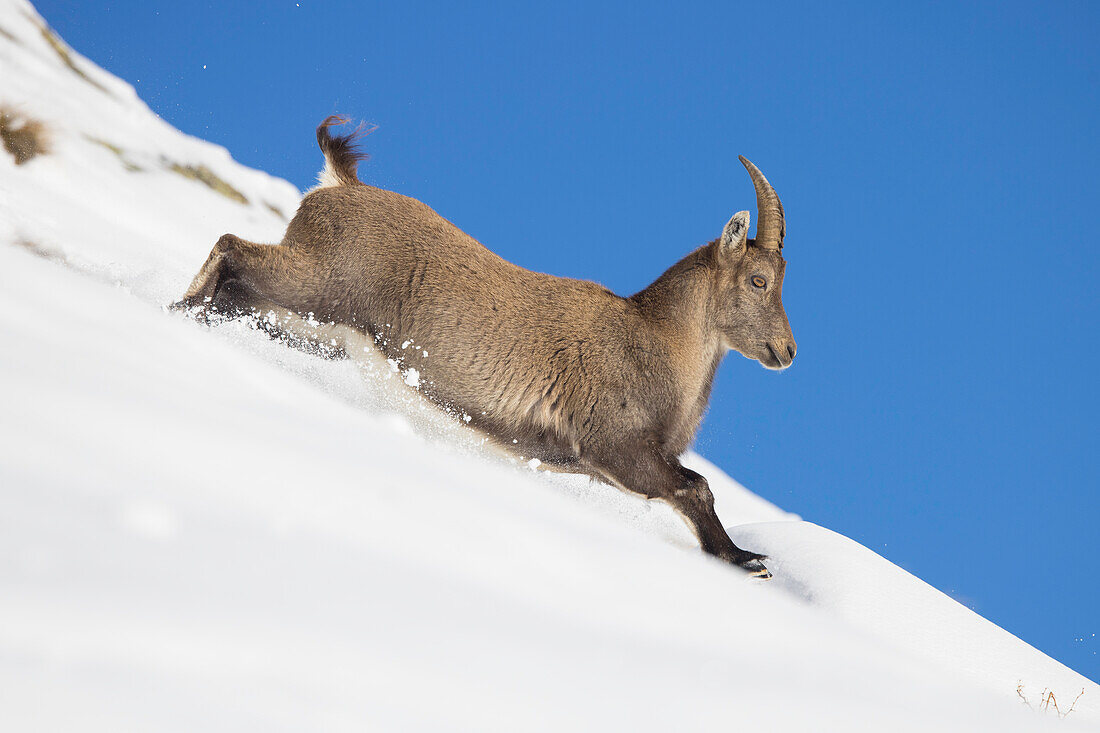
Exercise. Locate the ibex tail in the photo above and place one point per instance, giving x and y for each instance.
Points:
(342, 153)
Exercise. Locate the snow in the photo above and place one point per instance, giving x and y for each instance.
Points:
(203, 529)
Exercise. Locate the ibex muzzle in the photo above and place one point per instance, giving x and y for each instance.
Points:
(552, 368)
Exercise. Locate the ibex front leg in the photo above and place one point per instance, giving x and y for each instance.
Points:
(646, 471)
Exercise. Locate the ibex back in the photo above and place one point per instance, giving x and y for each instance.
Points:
(556, 369)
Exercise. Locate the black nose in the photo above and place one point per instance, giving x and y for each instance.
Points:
(790, 350)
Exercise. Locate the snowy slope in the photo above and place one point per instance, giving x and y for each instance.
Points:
(201, 529)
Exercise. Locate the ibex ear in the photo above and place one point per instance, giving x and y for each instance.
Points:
(735, 235)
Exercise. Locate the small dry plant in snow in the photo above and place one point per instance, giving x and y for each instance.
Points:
(1047, 701)
(24, 137)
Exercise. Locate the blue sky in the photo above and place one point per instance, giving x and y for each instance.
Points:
(938, 165)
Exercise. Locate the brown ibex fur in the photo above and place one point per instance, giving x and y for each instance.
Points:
(560, 370)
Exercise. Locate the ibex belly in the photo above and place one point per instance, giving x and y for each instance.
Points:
(510, 349)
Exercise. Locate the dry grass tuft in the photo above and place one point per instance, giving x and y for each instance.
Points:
(24, 137)
(39, 251)
(204, 175)
(104, 144)
(62, 52)
(1047, 701)
(275, 210)
(119, 153)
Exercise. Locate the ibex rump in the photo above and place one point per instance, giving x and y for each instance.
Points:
(557, 369)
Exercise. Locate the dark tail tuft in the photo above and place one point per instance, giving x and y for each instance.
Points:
(342, 153)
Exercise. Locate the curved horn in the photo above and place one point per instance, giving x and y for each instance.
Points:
(770, 224)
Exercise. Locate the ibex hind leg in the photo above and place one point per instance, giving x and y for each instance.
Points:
(646, 471)
(239, 276)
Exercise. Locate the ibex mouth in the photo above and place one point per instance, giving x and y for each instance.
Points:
(775, 361)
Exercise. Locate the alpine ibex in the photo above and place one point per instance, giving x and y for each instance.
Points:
(557, 369)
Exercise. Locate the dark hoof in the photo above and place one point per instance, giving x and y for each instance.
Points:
(753, 564)
(199, 310)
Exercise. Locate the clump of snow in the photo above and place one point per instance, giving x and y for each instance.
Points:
(203, 529)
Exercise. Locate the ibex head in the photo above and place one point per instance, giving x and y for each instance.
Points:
(749, 307)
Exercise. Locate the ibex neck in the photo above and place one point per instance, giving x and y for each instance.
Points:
(681, 296)
(678, 307)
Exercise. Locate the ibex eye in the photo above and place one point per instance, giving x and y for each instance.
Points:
(758, 281)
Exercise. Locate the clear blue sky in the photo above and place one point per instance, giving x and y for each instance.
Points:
(938, 164)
